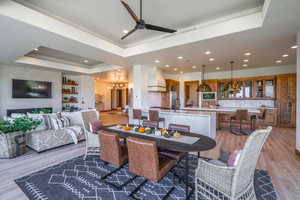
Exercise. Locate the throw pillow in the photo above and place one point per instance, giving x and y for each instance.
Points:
(95, 126)
(39, 117)
(51, 121)
(17, 115)
(234, 158)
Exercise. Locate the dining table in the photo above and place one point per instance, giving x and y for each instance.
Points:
(203, 143)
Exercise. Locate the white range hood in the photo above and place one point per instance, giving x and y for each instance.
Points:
(156, 82)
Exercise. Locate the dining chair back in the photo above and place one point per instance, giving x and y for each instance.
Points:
(144, 159)
(241, 114)
(137, 114)
(179, 128)
(92, 145)
(112, 151)
(153, 115)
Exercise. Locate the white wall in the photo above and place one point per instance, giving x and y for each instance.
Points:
(263, 71)
(9, 72)
(103, 88)
(141, 76)
(298, 95)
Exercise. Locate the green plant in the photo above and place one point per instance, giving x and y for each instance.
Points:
(41, 111)
(23, 124)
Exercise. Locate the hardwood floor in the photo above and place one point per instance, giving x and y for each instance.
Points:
(278, 158)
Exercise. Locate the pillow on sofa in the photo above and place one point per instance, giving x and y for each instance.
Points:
(39, 117)
(17, 115)
(51, 121)
(74, 117)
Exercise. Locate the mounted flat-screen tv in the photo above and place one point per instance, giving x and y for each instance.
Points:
(31, 89)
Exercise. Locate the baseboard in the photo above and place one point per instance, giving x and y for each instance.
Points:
(297, 152)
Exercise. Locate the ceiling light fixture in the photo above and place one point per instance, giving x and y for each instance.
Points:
(119, 70)
(246, 60)
(294, 47)
(218, 68)
(207, 52)
(175, 69)
(211, 59)
(36, 49)
(194, 67)
(181, 72)
(247, 54)
(157, 61)
(285, 55)
(125, 31)
(245, 65)
(180, 57)
(278, 61)
(85, 61)
(167, 65)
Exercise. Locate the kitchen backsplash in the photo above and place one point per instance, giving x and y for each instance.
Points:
(246, 103)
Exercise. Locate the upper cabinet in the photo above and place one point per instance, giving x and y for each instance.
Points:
(247, 88)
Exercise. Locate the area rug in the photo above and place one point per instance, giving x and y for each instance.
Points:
(79, 179)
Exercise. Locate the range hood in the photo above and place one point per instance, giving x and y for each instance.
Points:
(156, 82)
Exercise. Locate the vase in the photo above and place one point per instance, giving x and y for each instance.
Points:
(12, 144)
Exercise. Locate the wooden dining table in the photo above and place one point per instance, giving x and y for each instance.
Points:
(203, 144)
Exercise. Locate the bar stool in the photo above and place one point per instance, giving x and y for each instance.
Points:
(240, 116)
(154, 116)
(137, 115)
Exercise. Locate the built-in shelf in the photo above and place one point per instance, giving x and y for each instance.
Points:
(72, 93)
(69, 102)
(70, 84)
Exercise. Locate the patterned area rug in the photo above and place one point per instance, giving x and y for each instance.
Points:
(79, 179)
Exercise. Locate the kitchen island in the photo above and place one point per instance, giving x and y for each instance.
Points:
(200, 122)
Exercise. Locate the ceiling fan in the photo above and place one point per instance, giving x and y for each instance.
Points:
(141, 24)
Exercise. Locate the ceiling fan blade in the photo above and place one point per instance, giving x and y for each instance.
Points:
(129, 33)
(133, 15)
(158, 28)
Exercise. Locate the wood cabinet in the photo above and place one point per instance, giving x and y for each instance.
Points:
(286, 100)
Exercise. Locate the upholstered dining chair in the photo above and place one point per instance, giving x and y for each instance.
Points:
(92, 145)
(154, 116)
(137, 115)
(150, 124)
(112, 150)
(145, 161)
(219, 181)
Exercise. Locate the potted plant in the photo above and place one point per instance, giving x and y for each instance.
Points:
(12, 136)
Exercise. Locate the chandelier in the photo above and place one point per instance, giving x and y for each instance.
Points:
(203, 87)
(118, 81)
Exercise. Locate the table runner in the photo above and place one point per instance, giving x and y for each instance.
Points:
(182, 139)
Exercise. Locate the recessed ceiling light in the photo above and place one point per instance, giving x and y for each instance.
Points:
(125, 31)
(167, 65)
(278, 61)
(245, 65)
(85, 61)
(246, 60)
(180, 57)
(36, 49)
(194, 67)
(211, 59)
(247, 54)
(181, 72)
(175, 69)
(218, 68)
(157, 61)
(119, 70)
(207, 52)
(285, 55)
(294, 47)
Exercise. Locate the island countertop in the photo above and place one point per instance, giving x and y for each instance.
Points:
(226, 109)
(181, 112)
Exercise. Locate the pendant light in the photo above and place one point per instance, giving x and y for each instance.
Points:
(203, 87)
(234, 86)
